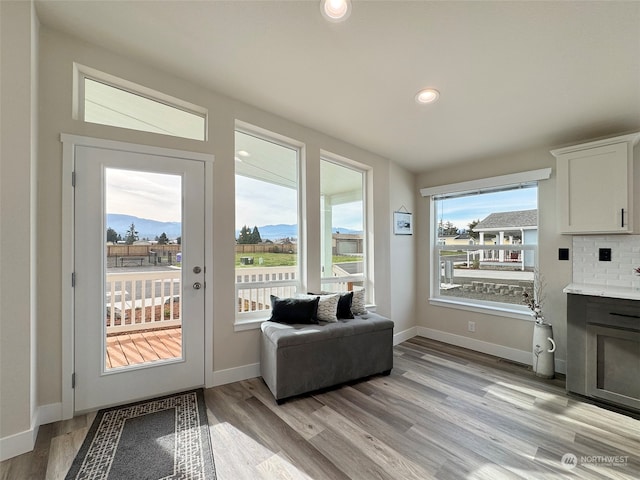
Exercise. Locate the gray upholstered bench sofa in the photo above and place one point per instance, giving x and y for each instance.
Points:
(297, 359)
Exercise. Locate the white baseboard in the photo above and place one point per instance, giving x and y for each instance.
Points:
(404, 335)
(560, 366)
(18, 443)
(50, 413)
(236, 374)
(23, 442)
(513, 354)
(521, 356)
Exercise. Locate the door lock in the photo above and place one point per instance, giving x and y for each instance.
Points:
(197, 269)
(197, 285)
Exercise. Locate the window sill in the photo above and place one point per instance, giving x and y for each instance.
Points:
(506, 311)
(253, 324)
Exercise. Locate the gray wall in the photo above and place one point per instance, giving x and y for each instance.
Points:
(18, 200)
(493, 332)
(498, 334)
(230, 349)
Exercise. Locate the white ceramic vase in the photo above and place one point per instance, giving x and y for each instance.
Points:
(543, 348)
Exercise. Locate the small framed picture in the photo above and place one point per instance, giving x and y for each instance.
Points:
(402, 223)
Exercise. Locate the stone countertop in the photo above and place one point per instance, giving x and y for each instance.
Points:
(629, 293)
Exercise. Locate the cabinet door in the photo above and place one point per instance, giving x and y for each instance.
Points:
(593, 190)
(613, 362)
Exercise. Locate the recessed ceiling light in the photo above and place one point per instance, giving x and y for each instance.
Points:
(427, 95)
(335, 10)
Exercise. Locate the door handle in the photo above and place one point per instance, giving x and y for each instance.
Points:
(197, 285)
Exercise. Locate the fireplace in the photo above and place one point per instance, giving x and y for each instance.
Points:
(603, 349)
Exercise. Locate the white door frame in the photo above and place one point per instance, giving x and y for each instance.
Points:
(69, 142)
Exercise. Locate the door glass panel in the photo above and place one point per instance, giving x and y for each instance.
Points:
(142, 268)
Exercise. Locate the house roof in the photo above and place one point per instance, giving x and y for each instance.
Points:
(525, 219)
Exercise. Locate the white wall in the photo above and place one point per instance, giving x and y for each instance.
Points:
(507, 337)
(18, 198)
(402, 271)
(233, 352)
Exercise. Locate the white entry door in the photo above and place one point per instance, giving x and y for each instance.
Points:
(139, 276)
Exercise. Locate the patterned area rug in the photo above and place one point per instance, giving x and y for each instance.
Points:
(164, 438)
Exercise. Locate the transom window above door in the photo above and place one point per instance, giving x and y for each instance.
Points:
(107, 100)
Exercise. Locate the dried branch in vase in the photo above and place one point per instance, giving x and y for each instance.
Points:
(535, 299)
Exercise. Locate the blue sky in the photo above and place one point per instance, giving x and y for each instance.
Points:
(157, 197)
(261, 203)
(462, 211)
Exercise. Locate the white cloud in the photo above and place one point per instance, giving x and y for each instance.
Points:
(261, 203)
(154, 196)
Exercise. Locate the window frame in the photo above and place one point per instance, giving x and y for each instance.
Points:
(250, 320)
(82, 72)
(505, 182)
(367, 224)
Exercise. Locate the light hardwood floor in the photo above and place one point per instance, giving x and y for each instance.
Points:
(443, 413)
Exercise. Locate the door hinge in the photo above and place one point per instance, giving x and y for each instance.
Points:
(73, 179)
(73, 279)
(73, 380)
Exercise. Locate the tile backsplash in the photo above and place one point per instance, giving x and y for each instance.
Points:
(619, 272)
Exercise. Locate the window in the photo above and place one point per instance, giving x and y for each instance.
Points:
(485, 241)
(343, 242)
(267, 254)
(108, 100)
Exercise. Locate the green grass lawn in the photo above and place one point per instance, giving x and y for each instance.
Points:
(282, 259)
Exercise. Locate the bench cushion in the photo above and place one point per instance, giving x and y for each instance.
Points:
(297, 359)
(298, 334)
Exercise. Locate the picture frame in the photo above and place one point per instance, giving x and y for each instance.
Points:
(402, 223)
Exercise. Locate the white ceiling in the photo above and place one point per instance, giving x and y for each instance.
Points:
(512, 75)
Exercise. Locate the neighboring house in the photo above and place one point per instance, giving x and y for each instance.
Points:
(510, 228)
(347, 243)
(459, 239)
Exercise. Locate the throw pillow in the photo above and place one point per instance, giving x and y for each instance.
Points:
(327, 306)
(357, 304)
(344, 304)
(294, 310)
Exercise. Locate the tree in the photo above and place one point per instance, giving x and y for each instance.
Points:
(255, 235)
(472, 233)
(162, 239)
(245, 235)
(179, 240)
(447, 228)
(131, 235)
(113, 236)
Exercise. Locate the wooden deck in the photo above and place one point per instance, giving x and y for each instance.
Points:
(140, 347)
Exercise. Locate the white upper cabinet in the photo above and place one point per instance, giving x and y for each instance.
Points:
(595, 186)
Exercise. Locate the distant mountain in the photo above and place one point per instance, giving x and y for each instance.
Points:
(145, 227)
(150, 229)
(277, 232)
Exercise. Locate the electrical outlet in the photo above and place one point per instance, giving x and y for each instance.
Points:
(604, 254)
(472, 326)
